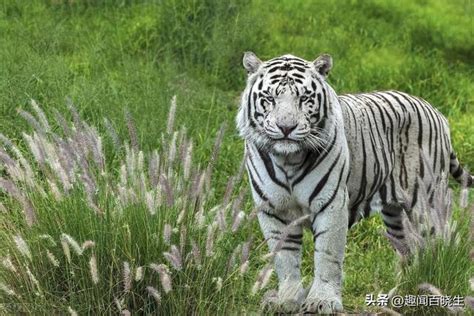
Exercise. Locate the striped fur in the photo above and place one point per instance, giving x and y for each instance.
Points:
(336, 159)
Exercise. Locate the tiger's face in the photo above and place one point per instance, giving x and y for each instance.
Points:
(285, 103)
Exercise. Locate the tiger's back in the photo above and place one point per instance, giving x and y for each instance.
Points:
(397, 143)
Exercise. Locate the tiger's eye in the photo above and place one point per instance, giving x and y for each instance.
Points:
(303, 98)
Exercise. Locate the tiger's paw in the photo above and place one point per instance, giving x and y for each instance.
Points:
(285, 302)
(281, 307)
(322, 306)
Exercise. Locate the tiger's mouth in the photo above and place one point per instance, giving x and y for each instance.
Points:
(286, 145)
(286, 139)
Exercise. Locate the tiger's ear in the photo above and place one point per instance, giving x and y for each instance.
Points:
(251, 62)
(323, 64)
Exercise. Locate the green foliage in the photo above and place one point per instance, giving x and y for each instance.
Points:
(109, 55)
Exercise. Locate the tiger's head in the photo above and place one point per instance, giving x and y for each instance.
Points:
(285, 103)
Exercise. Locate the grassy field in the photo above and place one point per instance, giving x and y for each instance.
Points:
(124, 61)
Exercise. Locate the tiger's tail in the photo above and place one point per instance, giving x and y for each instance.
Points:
(459, 173)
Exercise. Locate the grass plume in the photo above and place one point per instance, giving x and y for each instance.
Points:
(93, 208)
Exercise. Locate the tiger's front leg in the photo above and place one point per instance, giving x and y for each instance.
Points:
(329, 226)
(285, 241)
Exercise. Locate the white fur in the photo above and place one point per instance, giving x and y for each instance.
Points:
(380, 138)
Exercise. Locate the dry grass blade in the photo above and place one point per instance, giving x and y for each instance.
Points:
(171, 116)
(154, 293)
(132, 131)
(174, 258)
(113, 134)
(93, 269)
(214, 154)
(10, 188)
(127, 280)
(22, 246)
(165, 277)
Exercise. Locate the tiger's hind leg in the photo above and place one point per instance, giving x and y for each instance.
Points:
(392, 216)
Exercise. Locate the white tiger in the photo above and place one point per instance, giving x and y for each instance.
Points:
(334, 158)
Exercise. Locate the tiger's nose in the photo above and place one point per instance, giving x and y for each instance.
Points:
(286, 130)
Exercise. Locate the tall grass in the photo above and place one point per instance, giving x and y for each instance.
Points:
(435, 257)
(145, 236)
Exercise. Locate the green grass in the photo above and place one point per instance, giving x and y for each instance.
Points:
(435, 266)
(108, 56)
